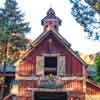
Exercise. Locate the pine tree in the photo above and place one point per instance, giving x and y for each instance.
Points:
(12, 20)
(10, 47)
(12, 31)
(12, 36)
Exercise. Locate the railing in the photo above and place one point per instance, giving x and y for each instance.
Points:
(59, 83)
(50, 82)
(38, 77)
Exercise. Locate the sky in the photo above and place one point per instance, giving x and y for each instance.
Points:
(35, 10)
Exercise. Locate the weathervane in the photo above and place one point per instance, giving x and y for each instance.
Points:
(50, 4)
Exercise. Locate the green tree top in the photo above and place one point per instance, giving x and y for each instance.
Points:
(97, 60)
(97, 66)
(12, 31)
(12, 20)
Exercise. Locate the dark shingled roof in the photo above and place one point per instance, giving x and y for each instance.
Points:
(8, 68)
(51, 15)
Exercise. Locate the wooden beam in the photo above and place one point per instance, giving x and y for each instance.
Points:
(7, 74)
(50, 90)
(43, 78)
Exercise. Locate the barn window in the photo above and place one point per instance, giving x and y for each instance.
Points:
(50, 62)
(50, 65)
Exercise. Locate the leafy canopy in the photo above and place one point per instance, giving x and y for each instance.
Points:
(87, 14)
(97, 66)
(11, 46)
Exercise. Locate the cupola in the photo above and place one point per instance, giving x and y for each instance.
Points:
(51, 21)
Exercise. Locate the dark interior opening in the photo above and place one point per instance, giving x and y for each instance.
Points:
(7, 82)
(50, 65)
(50, 62)
(50, 96)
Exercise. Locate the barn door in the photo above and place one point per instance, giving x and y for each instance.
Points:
(50, 95)
(61, 66)
(39, 65)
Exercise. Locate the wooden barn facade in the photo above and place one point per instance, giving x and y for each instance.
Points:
(51, 70)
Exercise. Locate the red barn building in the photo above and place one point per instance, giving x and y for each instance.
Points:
(51, 70)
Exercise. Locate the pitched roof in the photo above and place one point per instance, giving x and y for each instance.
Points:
(93, 83)
(63, 41)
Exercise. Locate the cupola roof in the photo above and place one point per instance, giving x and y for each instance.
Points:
(51, 15)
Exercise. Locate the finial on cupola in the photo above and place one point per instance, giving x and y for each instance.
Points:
(51, 21)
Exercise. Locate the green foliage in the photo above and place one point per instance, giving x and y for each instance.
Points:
(11, 18)
(87, 16)
(97, 66)
(12, 21)
(97, 60)
(95, 4)
(10, 47)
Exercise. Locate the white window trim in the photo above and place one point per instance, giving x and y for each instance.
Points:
(52, 54)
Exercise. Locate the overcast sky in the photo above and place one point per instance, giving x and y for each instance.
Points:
(35, 10)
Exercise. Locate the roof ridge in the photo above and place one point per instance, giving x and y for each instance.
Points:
(62, 39)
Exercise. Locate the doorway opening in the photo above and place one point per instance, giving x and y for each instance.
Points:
(50, 96)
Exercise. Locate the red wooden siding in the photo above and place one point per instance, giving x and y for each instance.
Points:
(75, 85)
(68, 64)
(92, 89)
(76, 67)
(24, 88)
(25, 68)
(73, 65)
(23, 98)
(71, 85)
(72, 95)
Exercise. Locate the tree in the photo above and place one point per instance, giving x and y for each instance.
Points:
(12, 35)
(95, 4)
(12, 31)
(12, 20)
(87, 14)
(10, 47)
(97, 66)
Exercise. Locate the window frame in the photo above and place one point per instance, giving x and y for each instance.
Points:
(51, 55)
